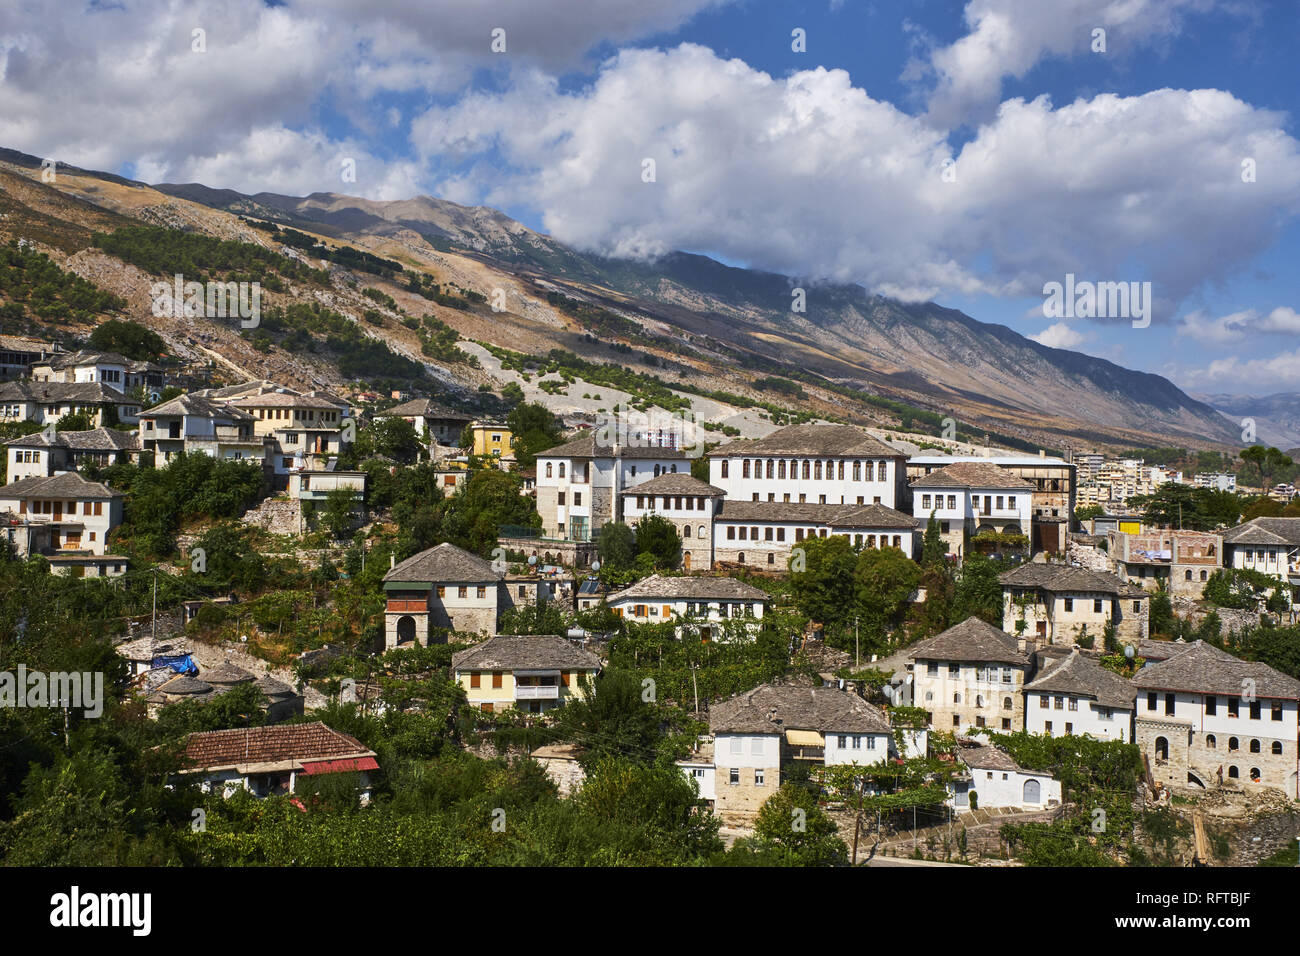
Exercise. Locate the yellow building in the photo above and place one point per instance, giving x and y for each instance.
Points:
(491, 439)
(530, 673)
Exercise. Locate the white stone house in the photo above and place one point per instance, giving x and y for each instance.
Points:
(193, 424)
(1074, 695)
(40, 456)
(971, 675)
(688, 503)
(1064, 604)
(998, 782)
(47, 402)
(62, 514)
(441, 587)
(969, 498)
(1270, 546)
(700, 604)
(764, 534)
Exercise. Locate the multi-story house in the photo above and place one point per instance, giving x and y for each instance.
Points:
(1218, 481)
(1270, 546)
(307, 429)
(765, 533)
(972, 498)
(492, 440)
(41, 456)
(1207, 719)
(1063, 604)
(47, 402)
(60, 517)
(1074, 695)
(688, 503)
(1179, 561)
(191, 424)
(18, 354)
(810, 464)
(530, 673)
(971, 675)
(701, 604)
(581, 484)
(762, 731)
(87, 365)
(1054, 481)
(439, 427)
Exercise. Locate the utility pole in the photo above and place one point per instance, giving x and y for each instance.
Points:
(857, 655)
(153, 632)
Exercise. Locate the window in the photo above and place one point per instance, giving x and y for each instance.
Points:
(1074, 703)
(744, 468)
(925, 502)
(1233, 773)
(737, 745)
(1169, 703)
(496, 678)
(474, 679)
(463, 591)
(1058, 703)
(1006, 703)
(559, 498)
(1211, 706)
(734, 777)
(954, 670)
(1277, 747)
(1255, 710)
(724, 475)
(481, 591)
(1047, 726)
(956, 720)
(1096, 605)
(1069, 604)
(758, 778)
(561, 469)
(1210, 741)
(1254, 746)
(550, 465)
(952, 501)
(932, 669)
(882, 472)
(843, 742)
(1233, 744)
(442, 591)
(1276, 710)
(577, 497)
(1044, 701)
(1234, 707)
(756, 747)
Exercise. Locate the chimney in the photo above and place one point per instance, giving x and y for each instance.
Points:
(1042, 453)
(392, 561)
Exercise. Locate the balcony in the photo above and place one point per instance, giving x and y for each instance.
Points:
(408, 607)
(537, 692)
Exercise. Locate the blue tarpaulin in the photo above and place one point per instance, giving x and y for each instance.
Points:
(181, 665)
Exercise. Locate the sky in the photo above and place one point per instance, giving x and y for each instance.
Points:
(970, 153)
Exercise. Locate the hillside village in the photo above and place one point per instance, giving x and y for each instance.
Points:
(944, 653)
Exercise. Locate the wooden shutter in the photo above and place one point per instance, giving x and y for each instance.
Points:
(496, 678)
(474, 679)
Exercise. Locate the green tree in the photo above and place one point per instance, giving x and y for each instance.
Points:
(886, 579)
(1267, 462)
(131, 339)
(615, 546)
(340, 504)
(616, 718)
(534, 428)
(387, 437)
(933, 548)
(827, 576)
(658, 537)
(791, 823)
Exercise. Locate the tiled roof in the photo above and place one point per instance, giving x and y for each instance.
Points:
(426, 408)
(95, 439)
(586, 446)
(65, 485)
(282, 400)
(680, 483)
(1081, 676)
(1285, 531)
(769, 709)
(691, 588)
(187, 686)
(972, 474)
(47, 393)
(980, 756)
(971, 640)
(526, 651)
(225, 673)
(443, 563)
(818, 441)
(835, 516)
(1205, 669)
(196, 405)
(1065, 577)
(277, 743)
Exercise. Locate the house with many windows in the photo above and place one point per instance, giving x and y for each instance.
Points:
(526, 672)
(970, 499)
(1206, 719)
(759, 733)
(700, 604)
(688, 503)
(764, 534)
(65, 518)
(88, 365)
(436, 425)
(1074, 695)
(1270, 546)
(193, 424)
(47, 402)
(1064, 604)
(41, 455)
(1179, 561)
(971, 675)
(307, 429)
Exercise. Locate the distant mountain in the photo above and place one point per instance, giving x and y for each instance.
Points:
(1277, 417)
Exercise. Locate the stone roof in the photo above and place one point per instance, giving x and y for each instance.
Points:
(691, 588)
(66, 360)
(586, 446)
(769, 709)
(19, 343)
(1081, 676)
(47, 393)
(1065, 577)
(972, 474)
(283, 400)
(64, 485)
(271, 687)
(146, 649)
(679, 483)
(277, 743)
(425, 408)
(443, 563)
(196, 405)
(1151, 650)
(526, 652)
(971, 640)
(980, 756)
(186, 686)
(225, 673)
(94, 439)
(1284, 531)
(816, 441)
(1205, 669)
(835, 516)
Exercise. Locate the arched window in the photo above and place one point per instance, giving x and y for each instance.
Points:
(1254, 774)
(1232, 773)
(956, 698)
(686, 531)
(1162, 748)
(1254, 746)
(549, 466)
(741, 557)
(771, 558)
(1210, 741)
(1187, 575)
(1277, 746)
(701, 534)
(1006, 703)
(561, 469)
(1233, 744)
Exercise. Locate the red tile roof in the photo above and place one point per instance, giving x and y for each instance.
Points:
(282, 742)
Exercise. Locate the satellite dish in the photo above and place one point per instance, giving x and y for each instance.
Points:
(595, 565)
(532, 559)
(1128, 651)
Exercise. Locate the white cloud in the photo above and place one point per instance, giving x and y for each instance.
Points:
(1007, 38)
(1280, 370)
(1059, 336)
(1283, 320)
(809, 174)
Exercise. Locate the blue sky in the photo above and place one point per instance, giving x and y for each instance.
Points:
(968, 151)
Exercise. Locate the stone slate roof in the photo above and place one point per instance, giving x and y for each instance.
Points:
(57, 393)
(810, 441)
(187, 686)
(690, 588)
(525, 652)
(972, 474)
(426, 408)
(65, 485)
(196, 405)
(443, 564)
(1285, 531)
(1063, 577)
(1204, 669)
(586, 446)
(834, 516)
(971, 640)
(769, 709)
(681, 483)
(66, 360)
(271, 687)
(980, 756)
(1081, 676)
(226, 673)
(146, 649)
(279, 742)
(94, 439)
(283, 400)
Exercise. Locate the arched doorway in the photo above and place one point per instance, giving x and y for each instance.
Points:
(686, 560)
(405, 629)
(1033, 792)
(1162, 748)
